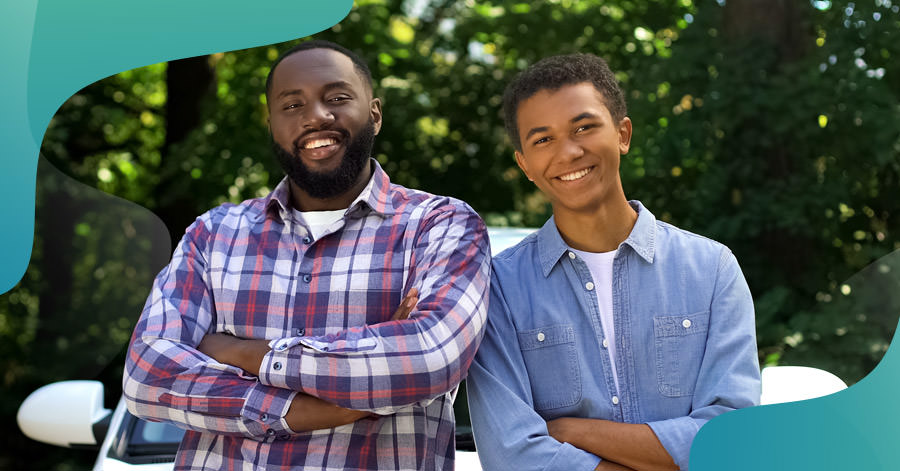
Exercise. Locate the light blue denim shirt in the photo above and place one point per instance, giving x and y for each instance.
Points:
(685, 345)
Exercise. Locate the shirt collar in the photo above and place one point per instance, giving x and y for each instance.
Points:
(642, 239)
(375, 197)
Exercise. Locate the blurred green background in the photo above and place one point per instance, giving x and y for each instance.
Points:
(772, 126)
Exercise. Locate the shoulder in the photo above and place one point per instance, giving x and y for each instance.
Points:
(670, 236)
(428, 212)
(411, 200)
(684, 248)
(229, 217)
(511, 262)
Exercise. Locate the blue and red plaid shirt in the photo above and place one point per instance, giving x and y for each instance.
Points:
(253, 271)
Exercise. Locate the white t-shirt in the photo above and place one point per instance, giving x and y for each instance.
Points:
(601, 266)
(319, 221)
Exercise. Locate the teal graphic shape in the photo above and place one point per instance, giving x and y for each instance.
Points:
(53, 48)
(854, 429)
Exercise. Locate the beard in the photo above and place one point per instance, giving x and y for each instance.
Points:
(322, 185)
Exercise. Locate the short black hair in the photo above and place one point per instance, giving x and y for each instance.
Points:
(360, 65)
(555, 72)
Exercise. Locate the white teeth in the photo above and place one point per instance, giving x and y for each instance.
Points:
(316, 143)
(575, 175)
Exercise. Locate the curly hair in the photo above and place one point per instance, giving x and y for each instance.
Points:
(555, 72)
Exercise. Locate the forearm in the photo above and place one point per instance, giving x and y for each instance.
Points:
(632, 445)
(610, 466)
(169, 382)
(308, 413)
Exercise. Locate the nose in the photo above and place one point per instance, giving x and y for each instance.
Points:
(318, 116)
(571, 149)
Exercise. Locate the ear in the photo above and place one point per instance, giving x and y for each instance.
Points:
(624, 135)
(375, 113)
(520, 161)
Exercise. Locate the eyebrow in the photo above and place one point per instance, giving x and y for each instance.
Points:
(581, 117)
(328, 87)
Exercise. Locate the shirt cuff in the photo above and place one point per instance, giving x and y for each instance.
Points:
(676, 436)
(264, 411)
(278, 361)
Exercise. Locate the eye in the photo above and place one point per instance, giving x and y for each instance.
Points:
(339, 98)
(291, 106)
(541, 140)
(583, 127)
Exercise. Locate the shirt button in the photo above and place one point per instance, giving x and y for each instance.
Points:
(572, 255)
(615, 400)
(307, 240)
(264, 417)
(686, 323)
(276, 366)
(541, 337)
(605, 343)
(589, 286)
(299, 332)
(281, 346)
(270, 432)
(307, 278)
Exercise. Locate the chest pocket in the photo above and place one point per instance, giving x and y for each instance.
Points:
(552, 363)
(680, 345)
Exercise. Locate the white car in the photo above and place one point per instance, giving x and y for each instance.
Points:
(71, 413)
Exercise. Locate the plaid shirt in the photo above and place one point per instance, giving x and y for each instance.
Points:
(252, 270)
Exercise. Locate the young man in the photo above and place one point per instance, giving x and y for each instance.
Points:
(612, 337)
(327, 325)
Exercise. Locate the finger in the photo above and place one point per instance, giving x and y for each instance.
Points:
(402, 311)
(406, 305)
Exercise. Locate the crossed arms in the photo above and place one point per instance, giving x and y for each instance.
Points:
(511, 434)
(168, 378)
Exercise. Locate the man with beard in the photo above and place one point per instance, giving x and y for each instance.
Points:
(327, 325)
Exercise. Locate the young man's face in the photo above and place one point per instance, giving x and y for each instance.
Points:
(323, 120)
(571, 147)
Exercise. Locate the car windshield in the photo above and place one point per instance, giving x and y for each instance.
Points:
(140, 442)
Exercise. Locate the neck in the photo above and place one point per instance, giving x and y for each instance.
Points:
(302, 201)
(601, 230)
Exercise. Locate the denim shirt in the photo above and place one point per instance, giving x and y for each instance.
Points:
(685, 341)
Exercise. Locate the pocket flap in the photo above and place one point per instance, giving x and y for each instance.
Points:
(546, 336)
(677, 326)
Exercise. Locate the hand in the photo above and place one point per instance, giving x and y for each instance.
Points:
(406, 305)
(308, 413)
(246, 354)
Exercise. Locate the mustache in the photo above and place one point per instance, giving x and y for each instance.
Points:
(295, 146)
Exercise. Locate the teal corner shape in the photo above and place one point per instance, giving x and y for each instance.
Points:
(856, 428)
(53, 48)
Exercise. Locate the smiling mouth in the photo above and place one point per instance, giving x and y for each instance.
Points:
(577, 175)
(319, 143)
